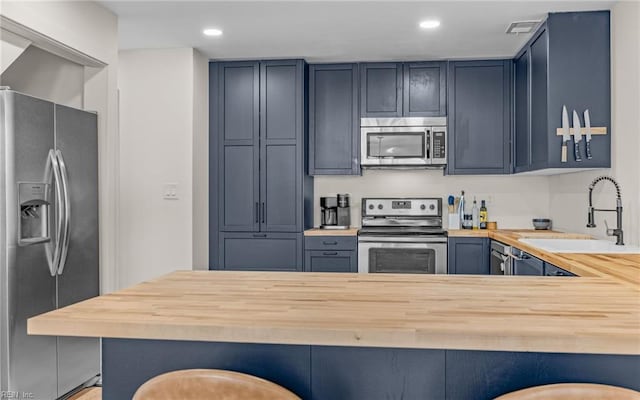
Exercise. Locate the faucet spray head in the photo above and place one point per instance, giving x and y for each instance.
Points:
(591, 223)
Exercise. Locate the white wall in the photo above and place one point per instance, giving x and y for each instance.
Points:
(200, 161)
(568, 193)
(47, 76)
(163, 125)
(511, 201)
(89, 28)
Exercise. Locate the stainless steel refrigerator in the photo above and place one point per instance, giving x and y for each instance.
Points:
(48, 241)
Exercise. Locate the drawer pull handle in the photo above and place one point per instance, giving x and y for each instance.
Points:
(260, 235)
(330, 243)
(330, 253)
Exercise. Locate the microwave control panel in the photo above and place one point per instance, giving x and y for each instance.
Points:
(439, 145)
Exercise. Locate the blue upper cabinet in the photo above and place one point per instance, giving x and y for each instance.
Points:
(414, 89)
(334, 122)
(424, 90)
(479, 117)
(381, 90)
(566, 62)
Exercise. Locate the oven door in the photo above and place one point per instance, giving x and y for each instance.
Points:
(410, 146)
(402, 255)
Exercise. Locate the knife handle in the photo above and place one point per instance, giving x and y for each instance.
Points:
(589, 150)
(576, 151)
(564, 152)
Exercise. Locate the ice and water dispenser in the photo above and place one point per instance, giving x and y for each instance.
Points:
(33, 226)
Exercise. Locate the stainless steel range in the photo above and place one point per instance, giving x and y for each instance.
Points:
(402, 235)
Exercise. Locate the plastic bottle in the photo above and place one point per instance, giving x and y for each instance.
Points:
(484, 216)
(475, 215)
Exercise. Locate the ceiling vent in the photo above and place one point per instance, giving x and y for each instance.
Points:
(519, 27)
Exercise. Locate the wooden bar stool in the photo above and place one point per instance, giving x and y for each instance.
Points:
(572, 391)
(210, 384)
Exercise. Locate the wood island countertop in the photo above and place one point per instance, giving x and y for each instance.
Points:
(507, 313)
(622, 268)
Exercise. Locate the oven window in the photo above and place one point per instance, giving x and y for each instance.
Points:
(402, 260)
(396, 145)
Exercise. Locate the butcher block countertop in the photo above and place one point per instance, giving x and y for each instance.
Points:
(622, 268)
(331, 232)
(509, 313)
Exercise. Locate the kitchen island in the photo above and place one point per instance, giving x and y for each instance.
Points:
(335, 336)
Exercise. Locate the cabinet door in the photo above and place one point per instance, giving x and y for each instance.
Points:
(261, 251)
(479, 117)
(333, 120)
(281, 163)
(528, 265)
(381, 90)
(424, 90)
(469, 256)
(539, 134)
(238, 130)
(330, 261)
(552, 270)
(522, 132)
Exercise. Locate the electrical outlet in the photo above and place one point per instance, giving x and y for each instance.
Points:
(170, 191)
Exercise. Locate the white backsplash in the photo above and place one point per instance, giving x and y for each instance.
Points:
(511, 200)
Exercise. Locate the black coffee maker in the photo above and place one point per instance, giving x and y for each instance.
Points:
(335, 212)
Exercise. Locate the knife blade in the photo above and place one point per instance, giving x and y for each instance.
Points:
(577, 136)
(565, 133)
(587, 129)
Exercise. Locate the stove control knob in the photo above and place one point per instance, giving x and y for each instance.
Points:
(379, 206)
(432, 207)
(370, 206)
(422, 207)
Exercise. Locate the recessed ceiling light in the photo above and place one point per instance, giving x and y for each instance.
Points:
(212, 32)
(430, 24)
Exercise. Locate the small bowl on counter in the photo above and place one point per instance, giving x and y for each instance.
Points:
(541, 224)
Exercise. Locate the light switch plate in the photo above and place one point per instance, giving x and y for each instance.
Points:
(170, 191)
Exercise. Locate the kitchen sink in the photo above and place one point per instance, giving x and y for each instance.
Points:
(579, 246)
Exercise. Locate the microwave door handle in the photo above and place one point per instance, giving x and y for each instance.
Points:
(428, 144)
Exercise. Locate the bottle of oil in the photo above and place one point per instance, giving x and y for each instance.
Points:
(483, 215)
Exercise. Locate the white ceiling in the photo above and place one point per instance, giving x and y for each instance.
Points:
(321, 31)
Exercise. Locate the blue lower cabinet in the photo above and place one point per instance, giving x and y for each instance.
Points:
(354, 373)
(526, 264)
(331, 254)
(484, 375)
(552, 270)
(468, 255)
(330, 261)
(261, 251)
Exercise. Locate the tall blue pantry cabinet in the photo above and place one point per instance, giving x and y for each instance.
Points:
(261, 196)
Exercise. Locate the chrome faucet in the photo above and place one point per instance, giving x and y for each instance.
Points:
(591, 219)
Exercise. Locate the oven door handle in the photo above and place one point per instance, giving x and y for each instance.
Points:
(402, 240)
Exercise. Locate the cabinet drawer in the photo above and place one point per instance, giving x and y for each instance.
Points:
(261, 251)
(331, 243)
(552, 270)
(330, 261)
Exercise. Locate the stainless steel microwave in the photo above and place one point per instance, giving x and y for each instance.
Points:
(403, 142)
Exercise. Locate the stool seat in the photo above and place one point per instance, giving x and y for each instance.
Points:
(572, 391)
(210, 384)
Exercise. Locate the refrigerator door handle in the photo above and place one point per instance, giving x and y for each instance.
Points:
(52, 171)
(64, 245)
